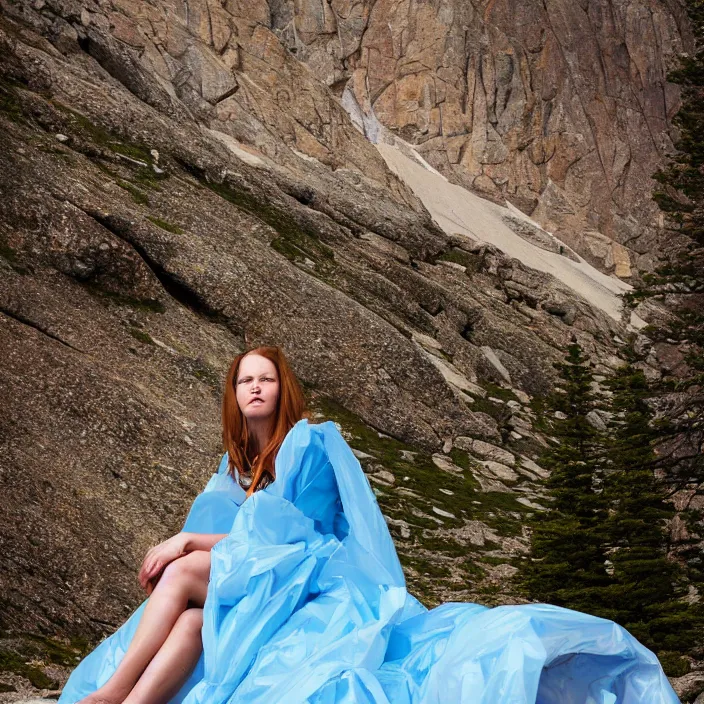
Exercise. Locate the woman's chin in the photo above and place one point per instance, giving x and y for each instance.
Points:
(258, 413)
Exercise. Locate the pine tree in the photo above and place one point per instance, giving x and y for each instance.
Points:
(602, 546)
(567, 565)
(679, 282)
(646, 587)
(678, 285)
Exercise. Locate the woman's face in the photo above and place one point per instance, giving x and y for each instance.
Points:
(257, 387)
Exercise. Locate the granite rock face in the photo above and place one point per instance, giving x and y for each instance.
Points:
(561, 107)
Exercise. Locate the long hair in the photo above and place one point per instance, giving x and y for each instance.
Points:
(290, 408)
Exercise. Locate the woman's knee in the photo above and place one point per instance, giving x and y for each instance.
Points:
(193, 566)
(190, 621)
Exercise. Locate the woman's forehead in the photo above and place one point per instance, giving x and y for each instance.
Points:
(255, 364)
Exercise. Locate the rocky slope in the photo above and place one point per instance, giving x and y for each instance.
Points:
(175, 185)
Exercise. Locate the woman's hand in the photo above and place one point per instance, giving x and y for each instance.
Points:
(158, 557)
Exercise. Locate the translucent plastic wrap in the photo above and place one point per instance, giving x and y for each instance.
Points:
(307, 603)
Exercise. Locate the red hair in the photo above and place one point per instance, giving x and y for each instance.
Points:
(290, 408)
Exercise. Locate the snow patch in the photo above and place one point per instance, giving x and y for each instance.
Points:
(458, 211)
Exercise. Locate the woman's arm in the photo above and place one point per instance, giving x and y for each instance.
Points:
(200, 541)
(178, 545)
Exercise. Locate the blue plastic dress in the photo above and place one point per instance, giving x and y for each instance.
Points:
(307, 603)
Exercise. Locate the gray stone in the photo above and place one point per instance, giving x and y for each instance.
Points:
(360, 455)
(430, 343)
(522, 396)
(485, 450)
(420, 514)
(398, 527)
(386, 246)
(443, 513)
(688, 685)
(596, 420)
(527, 473)
(441, 462)
(530, 504)
(383, 477)
(501, 573)
(453, 376)
(464, 397)
(453, 265)
(498, 471)
(521, 424)
(487, 484)
(491, 357)
(533, 467)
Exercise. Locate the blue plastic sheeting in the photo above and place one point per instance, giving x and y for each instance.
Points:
(307, 603)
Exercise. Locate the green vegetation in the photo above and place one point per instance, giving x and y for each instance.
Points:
(58, 152)
(139, 197)
(499, 392)
(8, 253)
(142, 336)
(678, 284)
(137, 157)
(294, 241)
(497, 411)
(427, 568)
(141, 305)
(568, 543)
(459, 256)
(25, 654)
(15, 663)
(202, 371)
(602, 545)
(174, 229)
(10, 104)
(102, 137)
(146, 177)
(645, 584)
(54, 651)
(674, 664)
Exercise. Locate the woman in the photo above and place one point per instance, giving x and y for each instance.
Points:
(284, 586)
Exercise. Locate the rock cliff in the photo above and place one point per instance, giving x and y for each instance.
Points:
(561, 107)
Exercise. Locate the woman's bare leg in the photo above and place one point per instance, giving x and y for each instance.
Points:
(184, 582)
(174, 662)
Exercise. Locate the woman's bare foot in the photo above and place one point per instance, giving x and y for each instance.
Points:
(104, 696)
